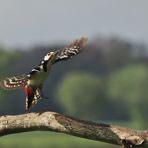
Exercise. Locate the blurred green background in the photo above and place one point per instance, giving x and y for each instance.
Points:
(107, 82)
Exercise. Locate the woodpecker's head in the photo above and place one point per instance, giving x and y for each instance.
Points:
(49, 56)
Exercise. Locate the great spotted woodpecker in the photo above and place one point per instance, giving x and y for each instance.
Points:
(32, 82)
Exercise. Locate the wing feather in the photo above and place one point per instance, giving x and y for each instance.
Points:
(71, 50)
(14, 82)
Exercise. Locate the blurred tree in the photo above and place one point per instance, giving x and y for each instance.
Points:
(129, 85)
(82, 95)
(116, 53)
(6, 58)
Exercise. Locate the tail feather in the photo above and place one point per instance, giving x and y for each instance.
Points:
(33, 98)
(14, 82)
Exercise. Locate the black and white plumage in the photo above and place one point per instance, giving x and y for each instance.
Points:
(32, 82)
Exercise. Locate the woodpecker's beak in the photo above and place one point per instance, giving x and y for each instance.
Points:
(56, 52)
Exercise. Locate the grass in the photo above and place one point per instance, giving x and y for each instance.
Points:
(47, 140)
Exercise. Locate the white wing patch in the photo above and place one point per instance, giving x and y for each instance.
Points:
(48, 56)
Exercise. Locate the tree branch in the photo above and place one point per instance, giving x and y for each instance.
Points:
(50, 121)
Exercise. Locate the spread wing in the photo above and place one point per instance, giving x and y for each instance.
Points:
(71, 50)
(14, 82)
(33, 98)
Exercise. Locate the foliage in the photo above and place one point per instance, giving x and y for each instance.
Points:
(6, 58)
(81, 95)
(130, 84)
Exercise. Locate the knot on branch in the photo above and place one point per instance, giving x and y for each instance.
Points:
(132, 141)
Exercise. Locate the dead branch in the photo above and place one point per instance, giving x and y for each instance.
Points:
(51, 121)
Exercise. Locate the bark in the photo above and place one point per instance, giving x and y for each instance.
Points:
(51, 121)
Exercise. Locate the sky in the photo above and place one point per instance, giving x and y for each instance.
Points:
(27, 22)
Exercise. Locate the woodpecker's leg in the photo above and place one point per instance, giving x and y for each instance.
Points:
(27, 110)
